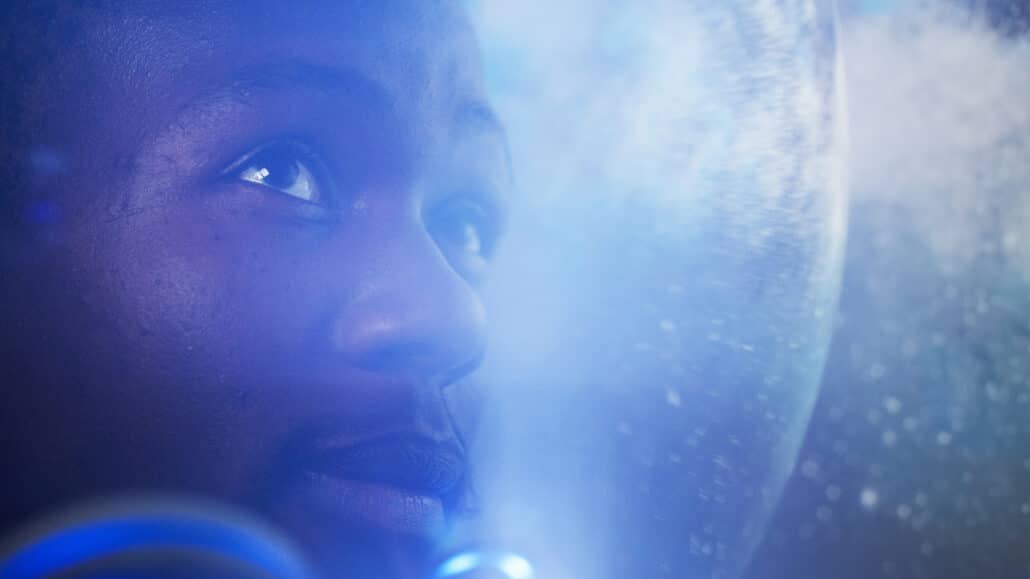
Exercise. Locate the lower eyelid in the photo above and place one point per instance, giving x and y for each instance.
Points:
(271, 205)
(314, 167)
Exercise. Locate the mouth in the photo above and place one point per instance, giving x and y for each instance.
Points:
(412, 464)
(406, 485)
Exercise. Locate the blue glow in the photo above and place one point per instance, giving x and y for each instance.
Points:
(512, 566)
(459, 564)
(515, 567)
(680, 215)
(42, 213)
(79, 544)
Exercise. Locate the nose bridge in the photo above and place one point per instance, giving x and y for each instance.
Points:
(416, 315)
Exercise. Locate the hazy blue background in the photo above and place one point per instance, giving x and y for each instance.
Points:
(638, 460)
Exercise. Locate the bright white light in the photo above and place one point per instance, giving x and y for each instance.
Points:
(512, 566)
(869, 498)
(515, 567)
(459, 564)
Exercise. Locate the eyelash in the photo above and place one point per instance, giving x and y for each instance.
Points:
(447, 222)
(305, 160)
(474, 212)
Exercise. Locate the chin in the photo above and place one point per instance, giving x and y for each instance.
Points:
(358, 550)
(358, 529)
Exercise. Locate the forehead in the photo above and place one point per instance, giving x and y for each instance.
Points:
(419, 54)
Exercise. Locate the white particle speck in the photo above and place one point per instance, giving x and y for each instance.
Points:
(904, 511)
(943, 438)
(672, 397)
(890, 438)
(810, 469)
(869, 498)
(824, 514)
(1025, 509)
(667, 326)
(994, 392)
(926, 548)
(833, 492)
(877, 371)
(892, 404)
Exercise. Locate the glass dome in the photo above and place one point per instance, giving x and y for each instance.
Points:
(663, 303)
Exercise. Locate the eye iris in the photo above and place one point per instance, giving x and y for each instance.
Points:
(285, 168)
(278, 173)
(469, 240)
(461, 230)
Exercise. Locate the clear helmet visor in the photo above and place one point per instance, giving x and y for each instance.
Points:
(662, 305)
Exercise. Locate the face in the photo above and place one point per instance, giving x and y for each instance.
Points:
(250, 269)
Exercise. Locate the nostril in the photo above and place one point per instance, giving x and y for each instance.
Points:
(440, 363)
(395, 357)
(420, 318)
(460, 371)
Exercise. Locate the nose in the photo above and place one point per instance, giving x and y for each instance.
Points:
(413, 314)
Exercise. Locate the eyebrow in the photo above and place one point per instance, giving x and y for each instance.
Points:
(480, 116)
(476, 115)
(284, 74)
(273, 75)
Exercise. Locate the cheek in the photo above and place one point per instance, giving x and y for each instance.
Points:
(182, 319)
(214, 296)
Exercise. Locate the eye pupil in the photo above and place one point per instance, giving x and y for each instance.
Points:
(471, 243)
(279, 173)
(462, 234)
(462, 229)
(286, 168)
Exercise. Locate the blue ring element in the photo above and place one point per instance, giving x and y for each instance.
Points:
(85, 542)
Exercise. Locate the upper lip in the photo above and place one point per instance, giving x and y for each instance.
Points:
(414, 463)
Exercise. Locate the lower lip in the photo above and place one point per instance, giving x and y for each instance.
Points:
(364, 504)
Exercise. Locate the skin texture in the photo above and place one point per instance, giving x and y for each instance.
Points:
(169, 325)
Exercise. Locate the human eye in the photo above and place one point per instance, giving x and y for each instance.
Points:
(286, 167)
(466, 232)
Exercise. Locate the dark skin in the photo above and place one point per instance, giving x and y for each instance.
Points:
(265, 239)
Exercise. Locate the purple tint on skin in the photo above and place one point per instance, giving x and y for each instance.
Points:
(45, 162)
(273, 224)
(42, 213)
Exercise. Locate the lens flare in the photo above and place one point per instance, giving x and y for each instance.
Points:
(499, 563)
